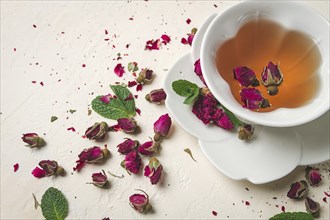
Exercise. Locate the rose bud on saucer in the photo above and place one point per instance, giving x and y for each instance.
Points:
(100, 179)
(146, 76)
(245, 132)
(156, 96)
(48, 168)
(132, 162)
(162, 127)
(298, 190)
(127, 125)
(272, 77)
(97, 131)
(222, 120)
(312, 207)
(153, 170)
(148, 148)
(33, 140)
(127, 146)
(140, 202)
(313, 176)
(252, 99)
(245, 76)
(91, 155)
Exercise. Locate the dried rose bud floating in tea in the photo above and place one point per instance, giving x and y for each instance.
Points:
(259, 42)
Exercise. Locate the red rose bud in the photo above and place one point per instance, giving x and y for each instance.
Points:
(252, 99)
(148, 148)
(127, 146)
(312, 207)
(39, 173)
(33, 140)
(153, 170)
(51, 168)
(222, 120)
(100, 179)
(156, 96)
(132, 162)
(127, 125)
(205, 107)
(90, 156)
(298, 190)
(146, 76)
(140, 202)
(245, 76)
(162, 127)
(272, 77)
(198, 71)
(245, 132)
(313, 176)
(97, 131)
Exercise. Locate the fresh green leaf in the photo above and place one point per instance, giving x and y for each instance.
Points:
(118, 107)
(191, 99)
(186, 89)
(292, 216)
(53, 118)
(54, 205)
(232, 117)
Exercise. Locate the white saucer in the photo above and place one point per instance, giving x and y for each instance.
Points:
(272, 154)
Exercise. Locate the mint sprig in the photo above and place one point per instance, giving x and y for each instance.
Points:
(186, 89)
(292, 216)
(54, 205)
(119, 107)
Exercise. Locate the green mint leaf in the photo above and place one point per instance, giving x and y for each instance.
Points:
(54, 205)
(53, 118)
(292, 216)
(119, 107)
(186, 89)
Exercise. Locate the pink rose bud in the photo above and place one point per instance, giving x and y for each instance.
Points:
(146, 76)
(313, 176)
(198, 71)
(252, 99)
(91, 155)
(205, 107)
(97, 131)
(140, 202)
(132, 162)
(127, 146)
(272, 77)
(148, 148)
(162, 127)
(312, 207)
(33, 140)
(245, 132)
(245, 76)
(127, 125)
(51, 168)
(222, 120)
(153, 170)
(298, 190)
(100, 179)
(156, 96)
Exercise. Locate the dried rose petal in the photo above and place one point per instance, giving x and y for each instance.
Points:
(162, 126)
(16, 166)
(245, 76)
(97, 131)
(298, 190)
(127, 125)
(313, 176)
(252, 99)
(106, 98)
(127, 146)
(312, 207)
(166, 39)
(119, 70)
(33, 140)
(39, 173)
(156, 96)
(140, 202)
(198, 71)
(245, 131)
(272, 77)
(132, 162)
(152, 44)
(100, 179)
(91, 155)
(153, 170)
(188, 21)
(148, 148)
(132, 83)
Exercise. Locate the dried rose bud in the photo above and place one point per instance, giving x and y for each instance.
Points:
(162, 127)
(140, 202)
(298, 190)
(198, 70)
(272, 77)
(127, 125)
(33, 140)
(148, 148)
(245, 131)
(252, 99)
(51, 168)
(90, 156)
(205, 107)
(156, 96)
(245, 76)
(313, 176)
(153, 170)
(146, 76)
(97, 131)
(312, 207)
(221, 119)
(132, 162)
(127, 146)
(100, 179)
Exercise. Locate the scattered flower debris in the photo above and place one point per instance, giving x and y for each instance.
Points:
(53, 118)
(214, 213)
(188, 151)
(71, 129)
(188, 21)
(16, 166)
(119, 70)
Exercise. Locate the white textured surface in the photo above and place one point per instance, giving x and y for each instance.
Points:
(188, 190)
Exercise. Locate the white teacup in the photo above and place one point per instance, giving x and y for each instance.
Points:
(291, 15)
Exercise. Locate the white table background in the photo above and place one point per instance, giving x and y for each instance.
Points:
(188, 190)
